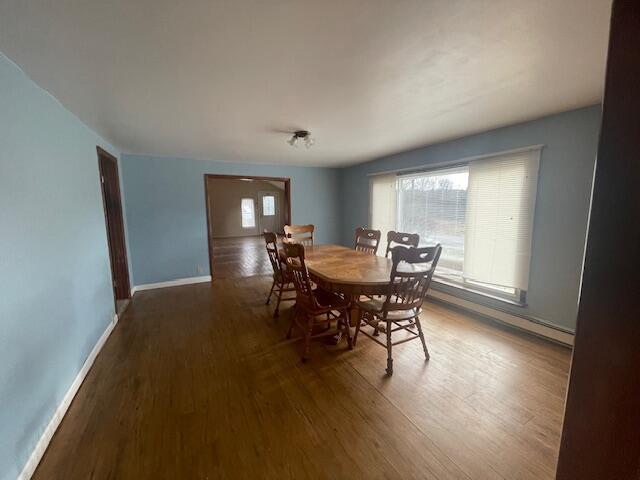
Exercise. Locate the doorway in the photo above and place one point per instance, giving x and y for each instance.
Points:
(270, 213)
(239, 210)
(114, 219)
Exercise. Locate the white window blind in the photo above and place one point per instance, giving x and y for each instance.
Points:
(499, 219)
(383, 205)
(248, 213)
(433, 205)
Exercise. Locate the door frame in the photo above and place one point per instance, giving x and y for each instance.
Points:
(287, 195)
(103, 155)
(600, 437)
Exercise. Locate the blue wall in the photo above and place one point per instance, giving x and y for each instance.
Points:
(54, 268)
(166, 215)
(562, 207)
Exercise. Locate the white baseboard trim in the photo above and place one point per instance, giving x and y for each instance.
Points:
(171, 283)
(58, 415)
(539, 329)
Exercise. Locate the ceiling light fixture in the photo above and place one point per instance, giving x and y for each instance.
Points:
(301, 135)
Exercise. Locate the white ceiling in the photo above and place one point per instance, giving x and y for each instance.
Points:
(222, 79)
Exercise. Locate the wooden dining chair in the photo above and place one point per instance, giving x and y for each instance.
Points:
(282, 279)
(367, 240)
(300, 234)
(399, 238)
(314, 309)
(402, 304)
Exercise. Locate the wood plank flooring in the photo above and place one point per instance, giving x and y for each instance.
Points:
(197, 382)
(239, 257)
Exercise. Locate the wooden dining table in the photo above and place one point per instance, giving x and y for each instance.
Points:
(351, 273)
(344, 270)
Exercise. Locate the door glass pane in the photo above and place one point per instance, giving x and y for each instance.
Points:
(268, 205)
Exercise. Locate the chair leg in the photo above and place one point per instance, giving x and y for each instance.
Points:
(389, 346)
(271, 292)
(294, 316)
(347, 328)
(307, 338)
(424, 344)
(280, 289)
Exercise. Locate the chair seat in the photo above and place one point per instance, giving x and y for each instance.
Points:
(375, 306)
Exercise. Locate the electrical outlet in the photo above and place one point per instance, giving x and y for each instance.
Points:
(199, 269)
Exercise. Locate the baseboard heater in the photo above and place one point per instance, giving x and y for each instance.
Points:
(530, 326)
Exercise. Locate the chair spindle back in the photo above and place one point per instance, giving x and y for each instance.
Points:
(399, 238)
(408, 288)
(294, 253)
(302, 234)
(367, 240)
(271, 242)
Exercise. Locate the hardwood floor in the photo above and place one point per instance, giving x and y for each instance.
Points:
(239, 257)
(197, 382)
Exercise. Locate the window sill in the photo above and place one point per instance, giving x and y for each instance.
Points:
(438, 281)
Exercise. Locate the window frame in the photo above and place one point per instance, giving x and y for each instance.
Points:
(518, 297)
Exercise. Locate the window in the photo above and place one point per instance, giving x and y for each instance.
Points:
(481, 213)
(268, 205)
(433, 205)
(248, 213)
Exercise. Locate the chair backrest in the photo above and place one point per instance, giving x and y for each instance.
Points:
(294, 253)
(399, 238)
(271, 242)
(300, 234)
(408, 287)
(367, 240)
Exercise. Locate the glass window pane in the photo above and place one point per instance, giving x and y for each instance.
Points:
(268, 205)
(433, 205)
(248, 213)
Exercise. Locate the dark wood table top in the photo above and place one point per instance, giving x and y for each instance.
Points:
(342, 265)
(345, 270)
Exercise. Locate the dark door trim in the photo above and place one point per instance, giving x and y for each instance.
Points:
(114, 221)
(287, 194)
(601, 434)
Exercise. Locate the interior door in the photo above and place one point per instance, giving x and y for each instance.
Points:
(115, 224)
(269, 211)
